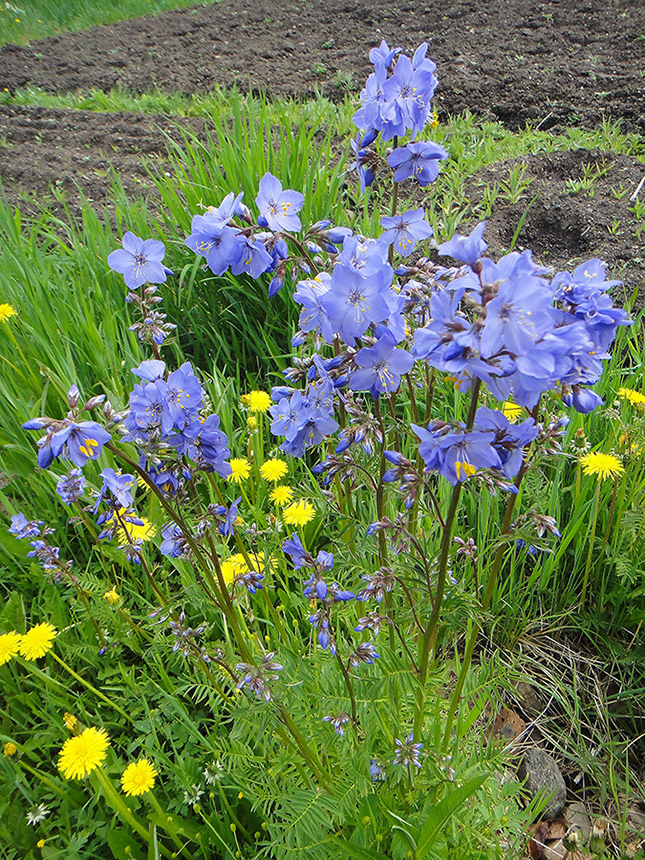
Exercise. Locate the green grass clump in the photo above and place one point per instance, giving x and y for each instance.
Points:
(22, 21)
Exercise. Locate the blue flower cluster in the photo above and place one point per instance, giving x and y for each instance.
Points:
(140, 263)
(457, 453)
(48, 555)
(508, 325)
(166, 424)
(397, 99)
(303, 418)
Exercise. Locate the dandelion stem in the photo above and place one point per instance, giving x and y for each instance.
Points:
(92, 689)
(594, 521)
(120, 807)
(166, 821)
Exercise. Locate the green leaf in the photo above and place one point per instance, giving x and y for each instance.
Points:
(442, 812)
(354, 851)
(124, 845)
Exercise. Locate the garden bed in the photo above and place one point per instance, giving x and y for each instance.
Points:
(556, 63)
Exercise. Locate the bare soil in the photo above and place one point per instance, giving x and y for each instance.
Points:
(554, 64)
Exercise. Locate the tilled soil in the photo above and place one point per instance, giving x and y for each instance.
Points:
(552, 64)
(53, 155)
(556, 62)
(564, 226)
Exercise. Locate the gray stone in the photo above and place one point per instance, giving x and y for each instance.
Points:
(543, 778)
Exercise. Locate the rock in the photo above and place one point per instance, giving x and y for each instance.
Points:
(543, 778)
(508, 726)
(577, 818)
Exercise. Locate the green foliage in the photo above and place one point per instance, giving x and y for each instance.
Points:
(240, 776)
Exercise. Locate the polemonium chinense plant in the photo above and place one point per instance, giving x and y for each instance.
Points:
(317, 641)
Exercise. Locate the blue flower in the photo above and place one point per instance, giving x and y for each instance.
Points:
(184, 395)
(150, 370)
(456, 454)
(382, 366)
(47, 555)
(254, 259)
(417, 160)
(22, 528)
(119, 486)
(174, 543)
(228, 526)
(466, 249)
(139, 261)
(404, 231)
(299, 555)
(355, 302)
(220, 245)
(71, 486)
(313, 316)
(206, 444)
(80, 442)
(279, 208)
(230, 206)
(510, 439)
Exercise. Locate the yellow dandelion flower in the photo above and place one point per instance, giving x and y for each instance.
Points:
(259, 401)
(70, 721)
(9, 749)
(142, 483)
(281, 496)
(37, 641)
(136, 532)
(633, 397)
(112, 597)
(40, 843)
(241, 469)
(138, 778)
(273, 470)
(6, 312)
(82, 753)
(511, 410)
(9, 646)
(603, 465)
(246, 399)
(252, 422)
(233, 566)
(299, 513)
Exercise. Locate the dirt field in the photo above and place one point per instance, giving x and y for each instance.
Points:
(555, 63)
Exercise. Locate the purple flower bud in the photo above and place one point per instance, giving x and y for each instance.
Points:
(321, 589)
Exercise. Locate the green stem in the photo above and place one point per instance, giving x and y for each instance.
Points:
(122, 810)
(348, 684)
(428, 640)
(594, 521)
(166, 821)
(92, 689)
(309, 756)
(395, 200)
(219, 588)
(486, 599)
